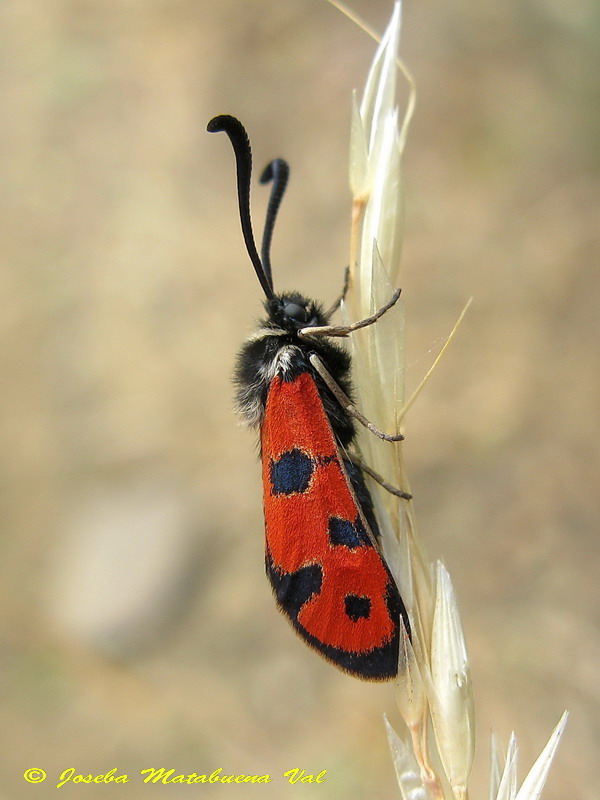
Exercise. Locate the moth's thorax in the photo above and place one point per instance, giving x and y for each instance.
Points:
(276, 349)
(284, 360)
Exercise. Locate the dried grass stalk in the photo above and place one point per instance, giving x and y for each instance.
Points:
(434, 690)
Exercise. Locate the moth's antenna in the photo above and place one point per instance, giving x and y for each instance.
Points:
(277, 171)
(243, 157)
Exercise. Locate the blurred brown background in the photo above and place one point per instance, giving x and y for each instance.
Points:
(138, 629)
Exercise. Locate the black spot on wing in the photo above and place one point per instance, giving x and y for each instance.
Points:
(362, 495)
(357, 607)
(349, 534)
(291, 472)
(292, 590)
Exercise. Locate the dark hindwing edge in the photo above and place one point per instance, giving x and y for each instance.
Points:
(379, 664)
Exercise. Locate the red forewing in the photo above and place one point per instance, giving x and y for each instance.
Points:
(326, 571)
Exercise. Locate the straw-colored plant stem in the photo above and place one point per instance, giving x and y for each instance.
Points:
(434, 690)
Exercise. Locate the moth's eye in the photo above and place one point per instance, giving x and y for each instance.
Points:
(295, 312)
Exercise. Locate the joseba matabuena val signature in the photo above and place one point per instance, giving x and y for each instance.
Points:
(165, 776)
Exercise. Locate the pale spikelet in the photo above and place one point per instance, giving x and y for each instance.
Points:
(434, 678)
(495, 766)
(406, 766)
(503, 779)
(531, 788)
(451, 695)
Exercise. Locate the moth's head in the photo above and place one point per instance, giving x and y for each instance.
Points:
(292, 312)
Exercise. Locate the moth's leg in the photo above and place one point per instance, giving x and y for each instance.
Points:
(355, 459)
(344, 330)
(342, 297)
(346, 403)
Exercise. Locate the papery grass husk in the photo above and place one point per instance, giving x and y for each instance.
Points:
(434, 683)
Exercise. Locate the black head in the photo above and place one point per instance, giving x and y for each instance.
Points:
(293, 311)
(277, 172)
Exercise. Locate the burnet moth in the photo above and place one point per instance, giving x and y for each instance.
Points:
(323, 556)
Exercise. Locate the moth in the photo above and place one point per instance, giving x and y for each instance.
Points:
(323, 556)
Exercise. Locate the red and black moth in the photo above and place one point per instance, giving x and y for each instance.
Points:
(323, 556)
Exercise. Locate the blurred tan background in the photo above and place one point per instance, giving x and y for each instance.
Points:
(138, 629)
